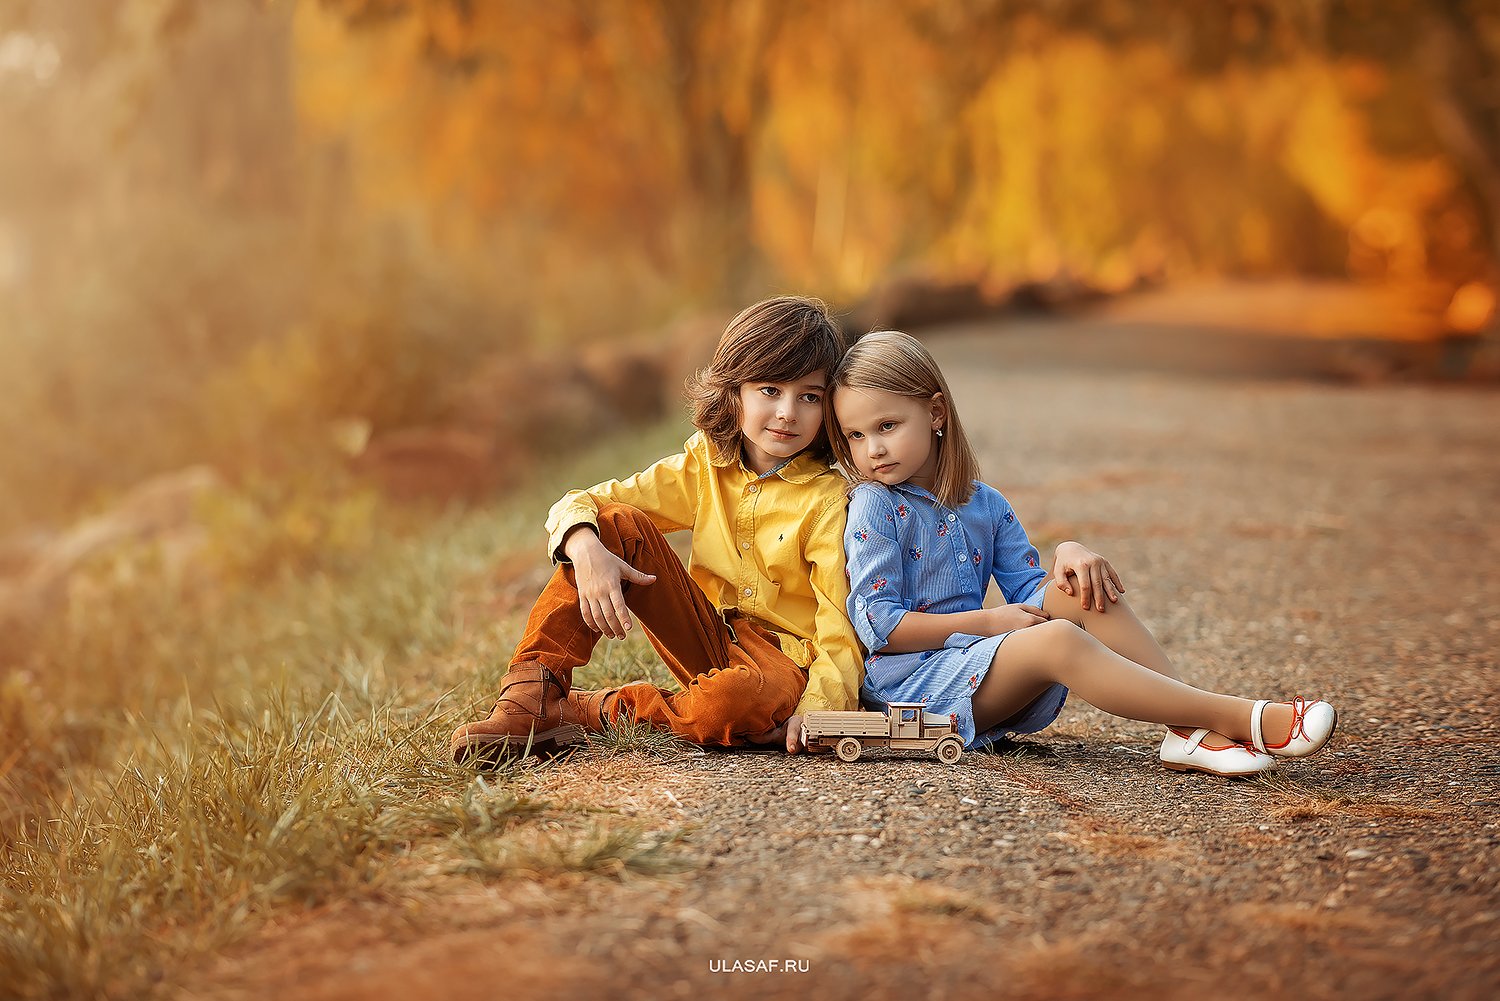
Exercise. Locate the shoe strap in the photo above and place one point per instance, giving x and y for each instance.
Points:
(1257, 734)
(523, 673)
(1197, 738)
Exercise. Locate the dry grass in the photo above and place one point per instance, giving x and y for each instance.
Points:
(919, 899)
(189, 758)
(1118, 844)
(1295, 802)
(597, 847)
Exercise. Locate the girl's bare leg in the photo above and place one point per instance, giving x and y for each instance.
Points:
(1058, 651)
(1119, 629)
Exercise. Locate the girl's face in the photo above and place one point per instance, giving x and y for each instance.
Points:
(780, 419)
(890, 437)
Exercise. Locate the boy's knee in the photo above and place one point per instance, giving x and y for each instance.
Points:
(616, 512)
(622, 521)
(732, 686)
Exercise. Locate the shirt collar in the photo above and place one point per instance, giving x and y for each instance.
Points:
(801, 468)
(916, 491)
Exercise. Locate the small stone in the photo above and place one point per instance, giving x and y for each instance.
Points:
(1358, 854)
(970, 802)
(860, 839)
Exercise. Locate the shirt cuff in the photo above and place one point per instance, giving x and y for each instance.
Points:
(874, 621)
(555, 543)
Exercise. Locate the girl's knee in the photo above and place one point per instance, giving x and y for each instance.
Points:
(1061, 631)
(1054, 637)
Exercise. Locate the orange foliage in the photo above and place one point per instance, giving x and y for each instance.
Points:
(864, 149)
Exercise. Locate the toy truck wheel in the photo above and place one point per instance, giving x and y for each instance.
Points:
(848, 749)
(949, 750)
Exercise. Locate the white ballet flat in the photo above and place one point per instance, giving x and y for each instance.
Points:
(1312, 724)
(1183, 754)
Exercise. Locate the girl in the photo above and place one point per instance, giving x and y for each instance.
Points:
(754, 628)
(923, 540)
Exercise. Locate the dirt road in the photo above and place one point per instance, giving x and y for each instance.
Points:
(1280, 537)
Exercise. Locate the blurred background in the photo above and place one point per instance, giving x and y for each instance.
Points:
(310, 308)
(249, 232)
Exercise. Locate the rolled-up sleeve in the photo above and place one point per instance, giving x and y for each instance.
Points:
(876, 585)
(667, 491)
(1018, 566)
(834, 675)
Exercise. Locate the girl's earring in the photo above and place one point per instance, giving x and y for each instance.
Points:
(939, 432)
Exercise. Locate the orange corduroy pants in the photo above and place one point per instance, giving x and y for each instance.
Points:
(737, 684)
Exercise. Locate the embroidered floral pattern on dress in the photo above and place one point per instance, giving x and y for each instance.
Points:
(936, 560)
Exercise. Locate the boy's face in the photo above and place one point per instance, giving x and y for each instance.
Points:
(780, 419)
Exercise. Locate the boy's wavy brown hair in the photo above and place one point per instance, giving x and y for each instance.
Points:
(898, 363)
(778, 340)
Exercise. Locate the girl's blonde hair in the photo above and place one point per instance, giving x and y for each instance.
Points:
(897, 363)
(777, 340)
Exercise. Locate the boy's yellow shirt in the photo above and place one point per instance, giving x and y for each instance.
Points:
(771, 547)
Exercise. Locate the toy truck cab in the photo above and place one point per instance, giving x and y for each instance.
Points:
(905, 727)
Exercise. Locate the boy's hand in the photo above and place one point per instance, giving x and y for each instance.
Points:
(796, 738)
(795, 742)
(1004, 618)
(598, 573)
(1096, 579)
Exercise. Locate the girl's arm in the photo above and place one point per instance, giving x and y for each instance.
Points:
(877, 605)
(872, 548)
(1017, 565)
(930, 630)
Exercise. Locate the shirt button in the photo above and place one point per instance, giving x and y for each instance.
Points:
(744, 545)
(749, 592)
(953, 517)
(754, 488)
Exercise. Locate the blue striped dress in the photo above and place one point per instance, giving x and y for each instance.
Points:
(906, 552)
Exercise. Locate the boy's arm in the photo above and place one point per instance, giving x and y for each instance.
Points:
(666, 490)
(834, 675)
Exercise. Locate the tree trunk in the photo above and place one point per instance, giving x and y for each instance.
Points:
(1467, 121)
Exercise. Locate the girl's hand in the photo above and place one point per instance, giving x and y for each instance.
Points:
(598, 573)
(1004, 618)
(1096, 579)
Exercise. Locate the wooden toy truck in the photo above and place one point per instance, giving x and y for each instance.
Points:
(906, 727)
